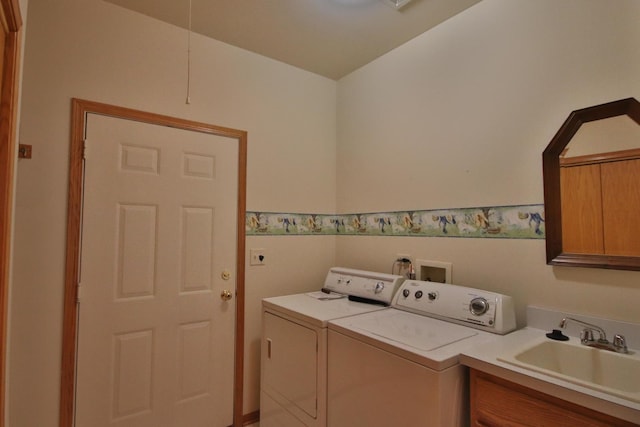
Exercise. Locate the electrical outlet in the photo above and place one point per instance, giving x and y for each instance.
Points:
(257, 256)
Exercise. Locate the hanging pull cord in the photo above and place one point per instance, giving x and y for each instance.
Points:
(188, 101)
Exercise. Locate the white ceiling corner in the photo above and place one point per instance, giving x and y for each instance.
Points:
(331, 38)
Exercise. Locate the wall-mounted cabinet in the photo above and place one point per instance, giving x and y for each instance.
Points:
(606, 218)
(600, 202)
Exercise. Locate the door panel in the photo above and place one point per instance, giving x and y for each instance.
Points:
(156, 342)
(290, 365)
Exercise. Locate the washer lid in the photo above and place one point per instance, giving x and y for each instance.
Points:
(413, 331)
(433, 343)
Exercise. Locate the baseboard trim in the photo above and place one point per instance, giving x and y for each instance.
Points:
(251, 418)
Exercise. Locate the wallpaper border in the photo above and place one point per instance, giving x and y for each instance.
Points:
(504, 222)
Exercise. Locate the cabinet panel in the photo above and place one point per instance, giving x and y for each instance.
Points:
(581, 204)
(621, 207)
(498, 402)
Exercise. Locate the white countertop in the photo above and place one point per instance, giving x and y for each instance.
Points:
(485, 358)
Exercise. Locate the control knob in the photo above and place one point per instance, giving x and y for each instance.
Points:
(478, 306)
(379, 287)
(418, 294)
(405, 293)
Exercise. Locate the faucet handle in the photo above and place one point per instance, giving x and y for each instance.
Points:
(586, 335)
(620, 343)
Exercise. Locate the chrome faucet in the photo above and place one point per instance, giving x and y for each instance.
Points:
(619, 344)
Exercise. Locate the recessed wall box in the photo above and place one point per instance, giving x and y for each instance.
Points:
(433, 271)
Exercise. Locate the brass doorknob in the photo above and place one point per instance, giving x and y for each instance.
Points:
(226, 295)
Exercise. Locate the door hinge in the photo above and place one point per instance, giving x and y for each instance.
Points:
(78, 292)
(84, 149)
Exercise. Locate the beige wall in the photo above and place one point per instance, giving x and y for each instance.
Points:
(94, 50)
(459, 117)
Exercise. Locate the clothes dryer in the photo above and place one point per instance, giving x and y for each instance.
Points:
(293, 386)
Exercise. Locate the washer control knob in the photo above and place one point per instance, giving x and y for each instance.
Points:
(432, 296)
(418, 294)
(379, 287)
(478, 306)
(405, 293)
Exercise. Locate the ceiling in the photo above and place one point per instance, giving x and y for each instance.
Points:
(328, 37)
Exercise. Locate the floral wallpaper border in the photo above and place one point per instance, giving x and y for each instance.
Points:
(507, 222)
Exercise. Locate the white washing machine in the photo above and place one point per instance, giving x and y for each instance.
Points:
(399, 366)
(293, 380)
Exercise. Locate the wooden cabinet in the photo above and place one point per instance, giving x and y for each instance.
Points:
(600, 203)
(621, 207)
(581, 204)
(498, 402)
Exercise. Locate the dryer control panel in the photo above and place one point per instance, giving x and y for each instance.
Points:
(370, 285)
(476, 308)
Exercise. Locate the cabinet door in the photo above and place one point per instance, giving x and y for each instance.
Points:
(581, 204)
(621, 207)
(498, 402)
(290, 362)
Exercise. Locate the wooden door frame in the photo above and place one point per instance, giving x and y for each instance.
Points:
(11, 23)
(79, 112)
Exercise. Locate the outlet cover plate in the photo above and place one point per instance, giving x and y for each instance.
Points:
(257, 256)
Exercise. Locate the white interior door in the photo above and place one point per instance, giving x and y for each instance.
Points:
(155, 338)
